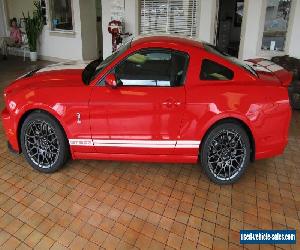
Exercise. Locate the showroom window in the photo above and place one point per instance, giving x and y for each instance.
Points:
(153, 68)
(276, 24)
(212, 71)
(61, 15)
(169, 17)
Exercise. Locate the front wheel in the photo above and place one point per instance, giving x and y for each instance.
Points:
(225, 153)
(43, 143)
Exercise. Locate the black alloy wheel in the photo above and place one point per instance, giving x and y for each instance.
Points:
(225, 153)
(43, 142)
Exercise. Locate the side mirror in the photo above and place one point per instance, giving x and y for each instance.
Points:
(111, 80)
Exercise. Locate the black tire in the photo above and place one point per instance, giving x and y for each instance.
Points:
(219, 153)
(43, 142)
(294, 93)
(295, 101)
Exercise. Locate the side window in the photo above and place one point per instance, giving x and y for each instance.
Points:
(211, 70)
(152, 68)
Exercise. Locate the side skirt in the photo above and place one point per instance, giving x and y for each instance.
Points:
(138, 158)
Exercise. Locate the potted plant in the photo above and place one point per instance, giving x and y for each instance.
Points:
(34, 25)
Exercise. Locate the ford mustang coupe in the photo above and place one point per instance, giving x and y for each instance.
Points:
(157, 99)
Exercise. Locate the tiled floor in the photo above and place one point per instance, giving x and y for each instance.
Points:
(98, 204)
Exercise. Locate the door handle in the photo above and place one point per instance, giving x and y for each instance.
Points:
(171, 103)
(168, 104)
(177, 104)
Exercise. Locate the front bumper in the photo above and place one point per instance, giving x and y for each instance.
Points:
(10, 129)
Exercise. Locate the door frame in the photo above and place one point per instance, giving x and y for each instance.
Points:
(243, 26)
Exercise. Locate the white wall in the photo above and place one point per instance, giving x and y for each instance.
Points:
(63, 45)
(132, 16)
(52, 45)
(131, 22)
(3, 19)
(251, 28)
(207, 20)
(294, 40)
(15, 8)
(88, 29)
(106, 18)
(78, 45)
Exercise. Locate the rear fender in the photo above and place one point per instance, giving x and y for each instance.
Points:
(285, 77)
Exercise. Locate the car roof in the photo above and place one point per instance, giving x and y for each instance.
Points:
(167, 39)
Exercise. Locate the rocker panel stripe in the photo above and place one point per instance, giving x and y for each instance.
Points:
(135, 143)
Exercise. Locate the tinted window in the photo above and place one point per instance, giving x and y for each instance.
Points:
(213, 71)
(152, 68)
(213, 49)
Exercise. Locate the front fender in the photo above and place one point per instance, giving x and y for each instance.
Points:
(13, 120)
(55, 111)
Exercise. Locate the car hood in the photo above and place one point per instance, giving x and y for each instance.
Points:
(59, 74)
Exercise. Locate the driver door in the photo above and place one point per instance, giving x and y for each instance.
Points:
(143, 114)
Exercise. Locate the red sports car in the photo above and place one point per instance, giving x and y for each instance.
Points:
(157, 99)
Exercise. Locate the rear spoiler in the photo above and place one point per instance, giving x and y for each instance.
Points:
(264, 65)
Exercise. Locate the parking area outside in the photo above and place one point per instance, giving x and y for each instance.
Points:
(108, 205)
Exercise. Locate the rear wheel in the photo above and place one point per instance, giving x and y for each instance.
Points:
(43, 143)
(225, 153)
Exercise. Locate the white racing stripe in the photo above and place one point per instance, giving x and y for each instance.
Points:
(188, 142)
(265, 65)
(187, 146)
(64, 66)
(123, 145)
(274, 67)
(135, 143)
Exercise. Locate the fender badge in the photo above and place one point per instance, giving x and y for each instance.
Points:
(78, 118)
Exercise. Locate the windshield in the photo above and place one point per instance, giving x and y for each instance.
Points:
(95, 67)
(213, 49)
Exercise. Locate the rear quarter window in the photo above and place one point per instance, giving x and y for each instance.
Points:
(212, 71)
